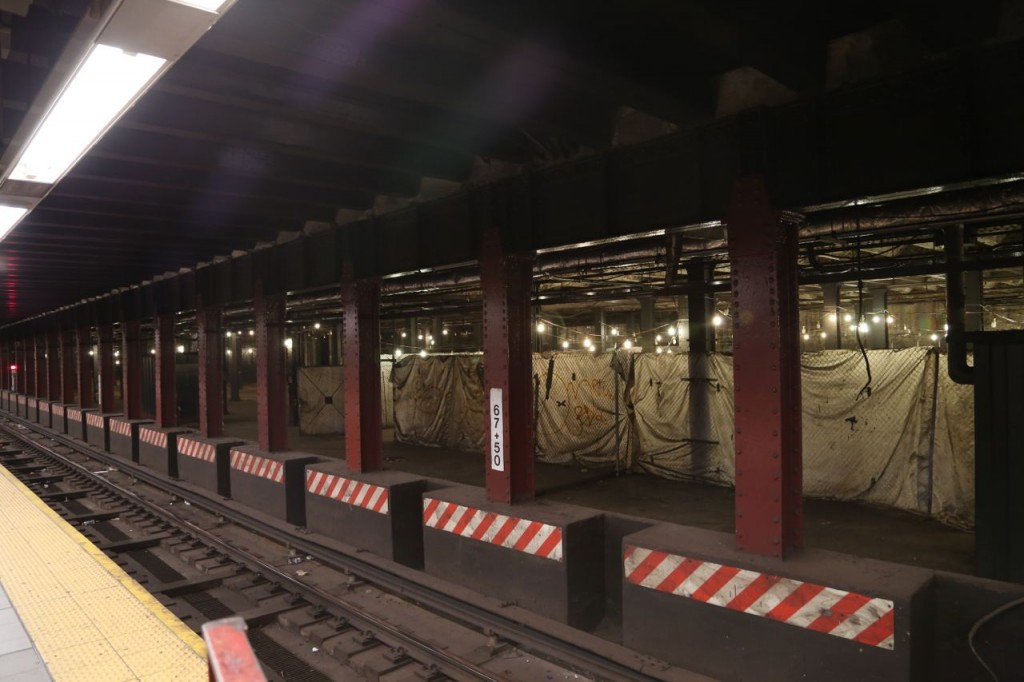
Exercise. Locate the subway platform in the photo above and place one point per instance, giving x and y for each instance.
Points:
(69, 613)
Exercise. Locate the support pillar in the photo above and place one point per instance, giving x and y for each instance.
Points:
(698, 313)
(833, 315)
(38, 368)
(235, 370)
(647, 322)
(974, 301)
(360, 301)
(86, 368)
(105, 332)
(271, 372)
(878, 332)
(766, 360)
(166, 398)
(68, 372)
(211, 372)
(53, 366)
(131, 369)
(508, 387)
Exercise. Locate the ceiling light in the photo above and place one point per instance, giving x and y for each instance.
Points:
(181, 349)
(671, 331)
(252, 332)
(807, 337)
(657, 338)
(205, 5)
(890, 319)
(853, 328)
(935, 337)
(832, 317)
(9, 217)
(102, 88)
(717, 320)
(824, 335)
(615, 331)
(876, 319)
(152, 351)
(540, 328)
(586, 343)
(316, 325)
(862, 327)
(403, 335)
(565, 344)
(658, 350)
(398, 352)
(847, 317)
(627, 344)
(423, 353)
(288, 343)
(445, 331)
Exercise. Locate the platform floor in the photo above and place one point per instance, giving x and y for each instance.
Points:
(851, 528)
(86, 617)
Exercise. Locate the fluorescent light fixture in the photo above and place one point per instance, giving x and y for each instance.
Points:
(107, 82)
(205, 5)
(9, 217)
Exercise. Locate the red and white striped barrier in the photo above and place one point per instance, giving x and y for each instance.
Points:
(257, 466)
(57, 410)
(74, 415)
(521, 535)
(196, 449)
(867, 620)
(355, 493)
(119, 427)
(153, 437)
(94, 419)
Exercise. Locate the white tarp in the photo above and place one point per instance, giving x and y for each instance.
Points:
(906, 444)
(321, 399)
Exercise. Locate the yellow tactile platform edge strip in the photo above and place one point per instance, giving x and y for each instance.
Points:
(63, 609)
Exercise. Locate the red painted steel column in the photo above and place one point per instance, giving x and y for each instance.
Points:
(105, 332)
(86, 368)
(361, 303)
(53, 366)
(131, 369)
(35, 368)
(271, 368)
(211, 372)
(766, 361)
(28, 367)
(166, 398)
(68, 377)
(508, 386)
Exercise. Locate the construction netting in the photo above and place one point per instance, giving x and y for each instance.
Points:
(905, 439)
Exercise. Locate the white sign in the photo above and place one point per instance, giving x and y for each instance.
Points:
(496, 448)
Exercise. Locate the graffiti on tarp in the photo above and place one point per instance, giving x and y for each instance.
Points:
(579, 400)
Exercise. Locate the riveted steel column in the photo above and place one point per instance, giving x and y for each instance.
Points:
(766, 361)
(211, 372)
(68, 374)
(86, 368)
(508, 386)
(271, 372)
(699, 307)
(361, 303)
(35, 369)
(131, 369)
(53, 365)
(105, 332)
(166, 399)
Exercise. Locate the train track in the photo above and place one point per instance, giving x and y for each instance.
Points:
(315, 613)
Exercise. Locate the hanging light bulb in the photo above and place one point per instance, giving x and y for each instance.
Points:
(993, 324)
(152, 351)
(717, 320)
(832, 317)
(565, 344)
(316, 325)
(853, 328)
(824, 335)
(288, 343)
(807, 337)
(252, 332)
(615, 331)
(890, 319)
(180, 349)
(92, 352)
(540, 328)
(445, 331)
(227, 334)
(876, 318)
(403, 335)
(586, 343)
(935, 337)
(398, 352)
(658, 350)
(657, 338)
(847, 317)
(419, 336)
(627, 344)
(862, 327)
(671, 331)
(423, 353)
